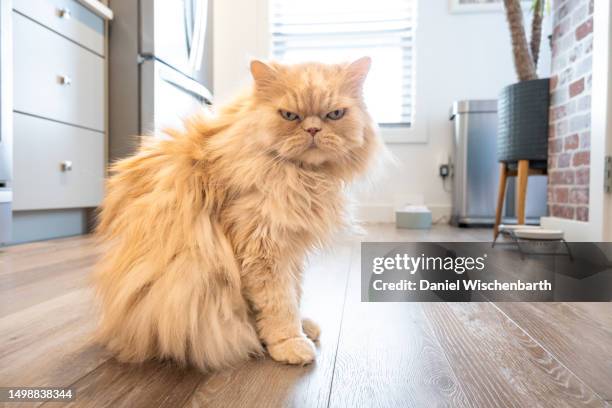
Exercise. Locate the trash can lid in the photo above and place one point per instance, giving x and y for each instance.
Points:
(473, 106)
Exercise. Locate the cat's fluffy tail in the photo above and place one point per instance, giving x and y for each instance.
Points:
(174, 315)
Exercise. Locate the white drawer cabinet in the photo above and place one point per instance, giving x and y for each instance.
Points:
(56, 165)
(55, 78)
(68, 18)
(59, 94)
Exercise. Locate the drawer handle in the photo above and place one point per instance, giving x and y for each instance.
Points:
(64, 13)
(66, 165)
(65, 80)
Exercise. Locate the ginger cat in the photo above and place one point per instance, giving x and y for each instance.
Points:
(205, 232)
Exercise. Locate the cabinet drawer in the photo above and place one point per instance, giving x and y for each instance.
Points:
(68, 18)
(41, 147)
(55, 78)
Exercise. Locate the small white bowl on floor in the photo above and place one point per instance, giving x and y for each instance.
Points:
(538, 234)
(510, 229)
(514, 227)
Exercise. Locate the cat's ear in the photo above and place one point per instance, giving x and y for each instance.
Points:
(357, 71)
(262, 73)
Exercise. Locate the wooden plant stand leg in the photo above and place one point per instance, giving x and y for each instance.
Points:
(501, 194)
(521, 186)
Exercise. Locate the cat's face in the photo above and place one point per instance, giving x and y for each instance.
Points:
(311, 113)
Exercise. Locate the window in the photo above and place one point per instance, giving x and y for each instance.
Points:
(342, 30)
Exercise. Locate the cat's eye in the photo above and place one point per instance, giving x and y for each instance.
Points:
(290, 116)
(335, 115)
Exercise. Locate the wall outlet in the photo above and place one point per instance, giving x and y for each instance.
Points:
(445, 166)
(444, 170)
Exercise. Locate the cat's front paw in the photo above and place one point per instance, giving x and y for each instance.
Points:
(311, 329)
(296, 350)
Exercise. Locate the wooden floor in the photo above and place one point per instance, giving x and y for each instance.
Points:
(370, 354)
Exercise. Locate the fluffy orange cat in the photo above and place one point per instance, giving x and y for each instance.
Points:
(206, 231)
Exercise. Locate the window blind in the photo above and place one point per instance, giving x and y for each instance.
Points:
(344, 30)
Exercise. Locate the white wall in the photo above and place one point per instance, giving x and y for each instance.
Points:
(239, 35)
(459, 56)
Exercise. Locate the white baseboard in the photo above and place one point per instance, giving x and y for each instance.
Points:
(385, 213)
(440, 213)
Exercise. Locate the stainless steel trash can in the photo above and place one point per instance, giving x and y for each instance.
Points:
(476, 170)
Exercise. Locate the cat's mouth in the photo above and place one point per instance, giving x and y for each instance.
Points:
(310, 157)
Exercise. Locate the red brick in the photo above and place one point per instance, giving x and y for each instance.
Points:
(554, 50)
(564, 160)
(583, 104)
(560, 195)
(582, 213)
(560, 177)
(584, 29)
(585, 140)
(554, 80)
(562, 211)
(581, 158)
(558, 112)
(563, 11)
(549, 194)
(561, 128)
(572, 142)
(583, 176)
(558, 32)
(579, 195)
(555, 145)
(576, 88)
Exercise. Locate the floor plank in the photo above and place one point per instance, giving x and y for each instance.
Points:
(59, 359)
(19, 291)
(598, 314)
(11, 263)
(149, 385)
(580, 343)
(267, 383)
(499, 364)
(388, 356)
(46, 248)
(23, 329)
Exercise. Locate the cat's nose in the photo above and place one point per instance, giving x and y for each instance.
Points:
(313, 130)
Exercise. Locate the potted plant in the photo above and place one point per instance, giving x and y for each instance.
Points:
(523, 107)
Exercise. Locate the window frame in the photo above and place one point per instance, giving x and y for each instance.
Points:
(416, 133)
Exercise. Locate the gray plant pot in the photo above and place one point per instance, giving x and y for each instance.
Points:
(522, 111)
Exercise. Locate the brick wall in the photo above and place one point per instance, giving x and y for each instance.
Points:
(570, 111)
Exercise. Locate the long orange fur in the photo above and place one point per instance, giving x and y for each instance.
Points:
(205, 232)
